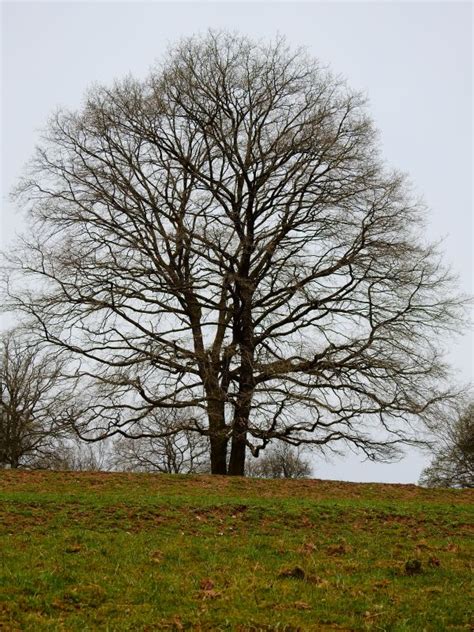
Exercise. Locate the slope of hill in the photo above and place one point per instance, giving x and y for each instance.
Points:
(106, 551)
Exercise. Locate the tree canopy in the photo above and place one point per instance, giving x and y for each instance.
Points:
(223, 239)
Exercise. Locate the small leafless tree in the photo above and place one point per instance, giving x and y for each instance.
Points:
(223, 236)
(280, 461)
(160, 447)
(36, 407)
(453, 463)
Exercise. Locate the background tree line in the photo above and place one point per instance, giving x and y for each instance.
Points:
(38, 416)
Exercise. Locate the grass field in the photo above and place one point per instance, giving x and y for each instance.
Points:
(83, 551)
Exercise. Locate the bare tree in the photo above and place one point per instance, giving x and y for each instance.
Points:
(159, 447)
(223, 237)
(453, 463)
(35, 405)
(280, 461)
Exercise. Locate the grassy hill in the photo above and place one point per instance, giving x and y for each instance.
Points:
(105, 551)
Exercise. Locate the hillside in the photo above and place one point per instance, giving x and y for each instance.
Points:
(83, 551)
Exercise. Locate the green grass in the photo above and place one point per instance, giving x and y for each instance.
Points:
(85, 551)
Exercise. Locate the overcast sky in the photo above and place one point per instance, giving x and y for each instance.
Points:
(413, 60)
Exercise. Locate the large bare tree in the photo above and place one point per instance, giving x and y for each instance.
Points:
(223, 237)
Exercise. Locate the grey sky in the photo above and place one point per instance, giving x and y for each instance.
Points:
(414, 60)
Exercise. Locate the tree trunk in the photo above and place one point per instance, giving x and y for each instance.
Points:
(218, 455)
(243, 332)
(242, 410)
(14, 463)
(217, 438)
(239, 439)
